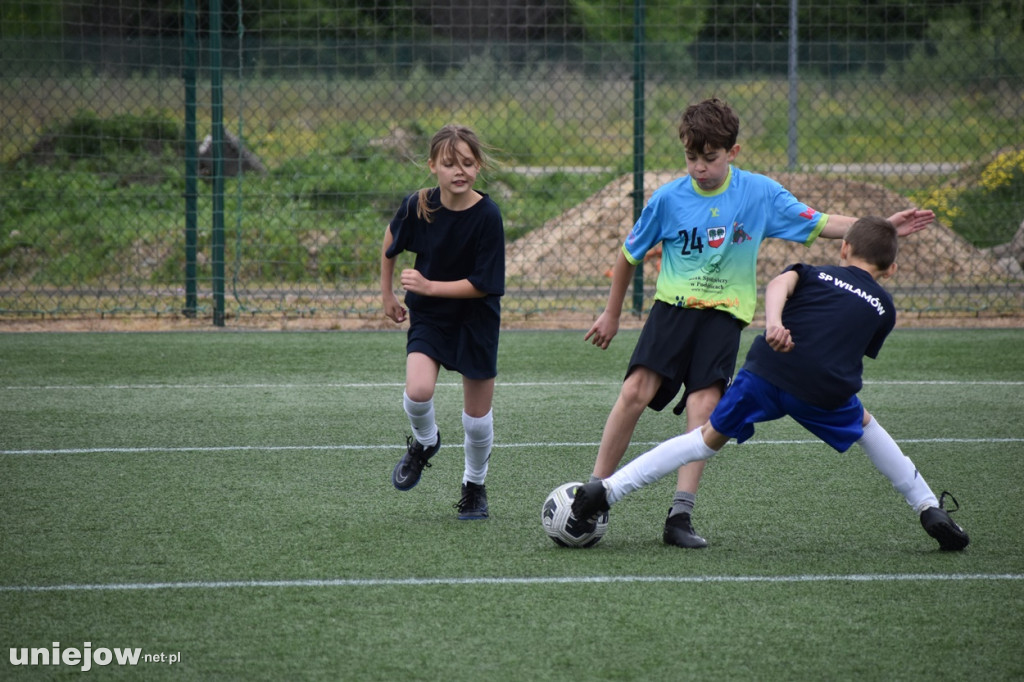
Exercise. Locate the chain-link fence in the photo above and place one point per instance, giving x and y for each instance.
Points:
(230, 160)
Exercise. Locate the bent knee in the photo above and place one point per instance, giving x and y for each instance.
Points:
(639, 388)
(701, 403)
(420, 393)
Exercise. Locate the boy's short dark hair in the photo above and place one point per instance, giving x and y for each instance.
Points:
(710, 124)
(875, 240)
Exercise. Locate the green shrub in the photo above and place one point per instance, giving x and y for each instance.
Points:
(107, 142)
(989, 212)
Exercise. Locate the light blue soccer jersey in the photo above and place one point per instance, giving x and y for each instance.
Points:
(710, 240)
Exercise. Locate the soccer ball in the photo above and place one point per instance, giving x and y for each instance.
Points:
(564, 528)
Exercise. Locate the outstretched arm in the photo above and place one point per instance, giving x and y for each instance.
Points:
(906, 222)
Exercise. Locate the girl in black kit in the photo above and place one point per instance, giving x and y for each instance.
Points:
(453, 295)
(820, 321)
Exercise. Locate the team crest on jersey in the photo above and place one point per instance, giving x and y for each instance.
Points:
(716, 236)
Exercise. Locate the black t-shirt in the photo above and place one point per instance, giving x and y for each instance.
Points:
(836, 316)
(456, 245)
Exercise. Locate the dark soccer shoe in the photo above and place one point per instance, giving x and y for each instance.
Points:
(679, 532)
(937, 523)
(473, 505)
(409, 469)
(590, 500)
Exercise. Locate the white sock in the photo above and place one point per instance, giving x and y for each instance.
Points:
(660, 461)
(421, 418)
(887, 457)
(478, 442)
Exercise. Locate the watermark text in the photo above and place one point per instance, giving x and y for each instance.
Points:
(86, 657)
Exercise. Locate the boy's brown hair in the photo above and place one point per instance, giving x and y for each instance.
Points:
(873, 240)
(710, 124)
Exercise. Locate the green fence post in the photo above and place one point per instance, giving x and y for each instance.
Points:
(794, 40)
(638, 140)
(217, 122)
(191, 159)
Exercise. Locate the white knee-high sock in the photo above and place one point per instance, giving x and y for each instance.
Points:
(421, 418)
(887, 457)
(660, 461)
(478, 441)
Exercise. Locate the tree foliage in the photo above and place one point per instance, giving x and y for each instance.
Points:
(599, 20)
(664, 20)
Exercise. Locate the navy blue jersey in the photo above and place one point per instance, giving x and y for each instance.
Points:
(459, 333)
(836, 316)
(456, 245)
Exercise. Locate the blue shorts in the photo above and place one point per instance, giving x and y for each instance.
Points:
(691, 347)
(751, 400)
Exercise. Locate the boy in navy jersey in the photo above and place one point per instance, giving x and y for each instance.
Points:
(820, 322)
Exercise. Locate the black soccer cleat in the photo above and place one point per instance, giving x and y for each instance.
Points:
(409, 469)
(937, 523)
(473, 505)
(679, 532)
(590, 500)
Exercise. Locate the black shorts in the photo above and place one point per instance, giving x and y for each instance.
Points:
(468, 346)
(691, 347)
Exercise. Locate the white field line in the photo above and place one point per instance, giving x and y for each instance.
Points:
(452, 384)
(550, 580)
(391, 446)
(266, 448)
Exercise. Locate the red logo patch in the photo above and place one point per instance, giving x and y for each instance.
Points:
(716, 236)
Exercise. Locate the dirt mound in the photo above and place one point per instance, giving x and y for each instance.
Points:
(582, 243)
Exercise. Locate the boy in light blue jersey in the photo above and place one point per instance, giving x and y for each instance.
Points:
(710, 239)
(710, 224)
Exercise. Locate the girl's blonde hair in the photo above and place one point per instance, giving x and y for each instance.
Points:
(443, 148)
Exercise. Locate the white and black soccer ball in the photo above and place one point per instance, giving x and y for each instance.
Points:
(564, 528)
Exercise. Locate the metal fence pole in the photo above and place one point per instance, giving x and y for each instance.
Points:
(794, 40)
(191, 158)
(638, 140)
(217, 122)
